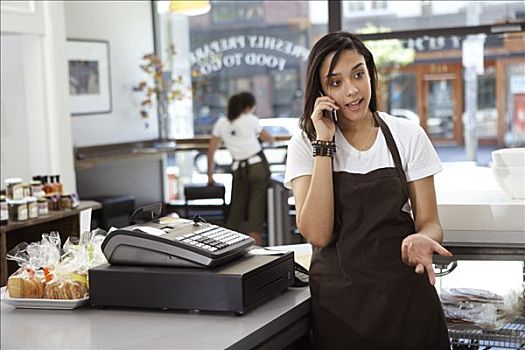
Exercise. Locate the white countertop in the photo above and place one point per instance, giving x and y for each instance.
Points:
(131, 328)
(92, 328)
(472, 207)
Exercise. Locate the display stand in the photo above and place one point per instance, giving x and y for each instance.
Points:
(66, 222)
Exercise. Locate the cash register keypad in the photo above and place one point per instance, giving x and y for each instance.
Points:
(212, 238)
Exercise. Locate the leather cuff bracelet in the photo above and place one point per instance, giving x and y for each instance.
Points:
(323, 148)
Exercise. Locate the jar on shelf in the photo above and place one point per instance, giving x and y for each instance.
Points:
(53, 202)
(46, 186)
(26, 189)
(32, 207)
(65, 202)
(59, 188)
(14, 188)
(36, 188)
(17, 209)
(4, 213)
(43, 206)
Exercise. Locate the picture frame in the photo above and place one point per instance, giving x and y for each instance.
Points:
(89, 76)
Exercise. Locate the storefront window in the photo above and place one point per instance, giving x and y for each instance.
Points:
(402, 93)
(515, 112)
(487, 115)
(432, 85)
(256, 46)
(415, 15)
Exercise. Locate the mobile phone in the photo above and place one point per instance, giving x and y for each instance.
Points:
(334, 112)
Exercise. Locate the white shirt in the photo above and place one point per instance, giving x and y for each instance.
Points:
(418, 156)
(240, 137)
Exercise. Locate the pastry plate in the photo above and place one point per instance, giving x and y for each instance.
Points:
(55, 304)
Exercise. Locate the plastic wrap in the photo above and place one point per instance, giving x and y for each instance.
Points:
(488, 310)
(51, 272)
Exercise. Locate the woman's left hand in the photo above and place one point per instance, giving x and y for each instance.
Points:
(417, 250)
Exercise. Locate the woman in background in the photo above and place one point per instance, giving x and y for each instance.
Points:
(240, 132)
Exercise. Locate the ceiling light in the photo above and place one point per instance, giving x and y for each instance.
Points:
(189, 8)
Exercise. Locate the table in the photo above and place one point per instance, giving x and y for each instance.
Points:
(272, 325)
(66, 222)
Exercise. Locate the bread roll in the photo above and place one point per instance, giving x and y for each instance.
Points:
(25, 287)
(15, 287)
(34, 288)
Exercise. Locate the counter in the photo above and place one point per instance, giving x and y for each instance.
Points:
(273, 325)
(472, 207)
(88, 157)
(478, 219)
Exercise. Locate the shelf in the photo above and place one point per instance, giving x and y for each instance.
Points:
(511, 251)
(52, 216)
(66, 222)
(510, 336)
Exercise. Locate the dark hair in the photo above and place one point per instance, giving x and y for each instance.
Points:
(332, 42)
(238, 103)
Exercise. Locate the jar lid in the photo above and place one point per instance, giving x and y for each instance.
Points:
(42, 199)
(36, 182)
(13, 180)
(31, 199)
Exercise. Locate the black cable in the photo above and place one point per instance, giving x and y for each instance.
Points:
(197, 218)
(445, 270)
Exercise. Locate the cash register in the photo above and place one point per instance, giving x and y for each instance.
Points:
(175, 263)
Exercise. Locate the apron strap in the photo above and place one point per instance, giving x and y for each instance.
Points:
(393, 150)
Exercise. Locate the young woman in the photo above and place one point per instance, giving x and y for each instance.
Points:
(357, 175)
(240, 131)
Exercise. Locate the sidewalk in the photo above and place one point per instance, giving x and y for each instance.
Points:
(458, 154)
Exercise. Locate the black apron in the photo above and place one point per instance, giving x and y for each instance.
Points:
(244, 173)
(363, 295)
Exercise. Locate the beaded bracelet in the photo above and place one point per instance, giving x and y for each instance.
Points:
(323, 148)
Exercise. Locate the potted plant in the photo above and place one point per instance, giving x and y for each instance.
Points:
(160, 91)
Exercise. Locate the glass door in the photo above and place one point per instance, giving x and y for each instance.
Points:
(442, 104)
(440, 109)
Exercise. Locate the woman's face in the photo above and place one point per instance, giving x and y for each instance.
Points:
(348, 84)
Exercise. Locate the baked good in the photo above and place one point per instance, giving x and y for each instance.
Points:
(65, 290)
(25, 287)
(15, 287)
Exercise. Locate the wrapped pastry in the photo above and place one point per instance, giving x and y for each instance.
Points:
(50, 272)
(23, 284)
(65, 290)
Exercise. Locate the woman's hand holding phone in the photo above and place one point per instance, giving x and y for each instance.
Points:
(322, 119)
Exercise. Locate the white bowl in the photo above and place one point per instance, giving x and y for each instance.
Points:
(511, 180)
(509, 157)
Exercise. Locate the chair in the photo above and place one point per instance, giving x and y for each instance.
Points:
(115, 211)
(205, 200)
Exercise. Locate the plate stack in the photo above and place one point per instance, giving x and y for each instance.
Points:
(508, 168)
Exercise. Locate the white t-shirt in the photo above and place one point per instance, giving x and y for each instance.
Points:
(418, 156)
(240, 137)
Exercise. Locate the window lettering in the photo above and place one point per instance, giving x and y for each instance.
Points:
(216, 54)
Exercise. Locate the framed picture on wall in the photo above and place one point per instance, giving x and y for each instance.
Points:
(89, 76)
